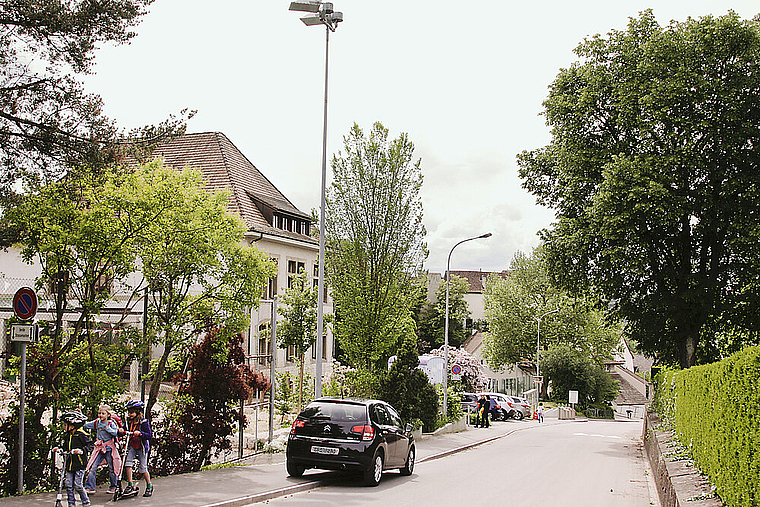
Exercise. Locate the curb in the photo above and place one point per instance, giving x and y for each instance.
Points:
(267, 495)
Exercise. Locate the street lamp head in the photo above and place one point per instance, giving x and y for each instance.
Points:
(486, 235)
(305, 6)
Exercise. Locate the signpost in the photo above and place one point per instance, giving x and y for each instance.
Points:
(456, 372)
(538, 379)
(25, 308)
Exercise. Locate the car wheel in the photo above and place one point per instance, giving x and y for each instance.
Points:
(519, 416)
(374, 473)
(294, 469)
(409, 467)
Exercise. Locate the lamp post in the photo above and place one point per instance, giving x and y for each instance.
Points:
(446, 325)
(324, 15)
(538, 345)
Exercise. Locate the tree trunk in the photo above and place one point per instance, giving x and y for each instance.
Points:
(156, 380)
(687, 350)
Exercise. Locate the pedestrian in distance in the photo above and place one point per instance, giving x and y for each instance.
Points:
(78, 444)
(106, 431)
(540, 411)
(484, 406)
(138, 446)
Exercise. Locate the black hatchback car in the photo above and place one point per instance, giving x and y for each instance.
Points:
(361, 435)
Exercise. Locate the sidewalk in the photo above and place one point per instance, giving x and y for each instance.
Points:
(264, 477)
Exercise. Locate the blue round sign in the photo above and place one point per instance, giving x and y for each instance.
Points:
(25, 303)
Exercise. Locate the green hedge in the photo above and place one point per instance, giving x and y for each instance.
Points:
(714, 410)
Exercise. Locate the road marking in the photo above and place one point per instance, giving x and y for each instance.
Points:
(596, 435)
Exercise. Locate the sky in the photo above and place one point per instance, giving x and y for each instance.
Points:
(464, 80)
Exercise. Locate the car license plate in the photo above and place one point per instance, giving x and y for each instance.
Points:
(316, 449)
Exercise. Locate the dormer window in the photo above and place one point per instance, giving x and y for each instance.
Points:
(290, 224)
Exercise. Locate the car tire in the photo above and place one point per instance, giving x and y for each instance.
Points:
(519, 416)
(294, 469)
(374, 473)
(408, 468)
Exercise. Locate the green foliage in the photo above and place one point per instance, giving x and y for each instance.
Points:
(48, 123)
(569, 369)
(654, 173)
(432, 318)
(376, 249)
(287, 399)
(514, 304)
(347, 382)
(713, 410)
(408, 389)
(299, 325)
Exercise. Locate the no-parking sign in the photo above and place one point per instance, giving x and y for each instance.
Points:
(456, 372)
(25, 303)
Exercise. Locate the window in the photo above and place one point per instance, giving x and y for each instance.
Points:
(264, 344)
(291, 353)
(294, 267)
(324, 349)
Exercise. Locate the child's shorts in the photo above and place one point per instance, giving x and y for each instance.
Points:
(142, 459)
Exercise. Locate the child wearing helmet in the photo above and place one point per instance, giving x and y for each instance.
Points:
(138, 445)
(79, 444)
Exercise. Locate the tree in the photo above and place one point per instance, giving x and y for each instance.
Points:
(432, 317)
(513, 305)
(202, 417)
(376, 249)
(653, 171)
(299, 326)
(408, 388)
(569, 369)
(48, 124)
(192, 260)
(473, 378)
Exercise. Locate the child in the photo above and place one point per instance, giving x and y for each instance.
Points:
(138, 446)
(78, 444)
(105, 448)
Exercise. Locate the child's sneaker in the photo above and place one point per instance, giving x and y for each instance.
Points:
(148, 490)
(111, 490)
(129, 489)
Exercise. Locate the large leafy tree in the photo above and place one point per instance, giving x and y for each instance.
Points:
(192, 260)
(432, 317)
(569, 369)
(299, 326)
(48, 123)
(376, 247)
(514, 304)
(653, 170)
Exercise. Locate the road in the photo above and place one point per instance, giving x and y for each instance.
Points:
(596, 463)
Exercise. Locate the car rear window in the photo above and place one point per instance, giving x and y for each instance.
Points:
(335, 411)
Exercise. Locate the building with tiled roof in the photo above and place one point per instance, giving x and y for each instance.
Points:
(274, 225)
(474, 296)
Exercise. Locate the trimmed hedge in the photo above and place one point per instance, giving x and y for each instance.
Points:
(714, 410)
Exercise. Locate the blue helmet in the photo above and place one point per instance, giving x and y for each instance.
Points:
(135, 405)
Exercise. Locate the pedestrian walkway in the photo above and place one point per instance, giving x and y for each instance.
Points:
(263, 476)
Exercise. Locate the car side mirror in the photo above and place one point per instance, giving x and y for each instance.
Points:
(409, 427)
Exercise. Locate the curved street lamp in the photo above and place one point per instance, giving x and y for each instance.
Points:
(446, 325)
(324, 15)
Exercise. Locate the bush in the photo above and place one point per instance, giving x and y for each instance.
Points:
(408, 388)
(713, 411)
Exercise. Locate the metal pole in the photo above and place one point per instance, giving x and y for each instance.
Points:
(321, 260)
(446, 326)
(144, 366)
(22, 399)
(273, 345)
(240, 424)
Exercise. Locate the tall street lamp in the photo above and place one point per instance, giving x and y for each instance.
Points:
(538, 345)
(446, 325)
(324, 15)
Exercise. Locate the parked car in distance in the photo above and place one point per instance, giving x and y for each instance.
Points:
(519, 408)
(499, 411)
(343, 434)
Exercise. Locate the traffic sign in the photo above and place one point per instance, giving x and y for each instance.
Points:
(25, 303)
(538, 379)
(456, 372)
(24, 333)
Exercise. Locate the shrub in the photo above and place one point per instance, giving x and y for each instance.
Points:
(713, 411)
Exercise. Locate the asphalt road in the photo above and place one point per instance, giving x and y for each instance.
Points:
(596, 463)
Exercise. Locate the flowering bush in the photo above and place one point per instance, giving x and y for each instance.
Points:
(472, 376)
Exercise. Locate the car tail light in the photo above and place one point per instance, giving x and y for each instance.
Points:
(510, 405)
(366, 431)
(296, 424)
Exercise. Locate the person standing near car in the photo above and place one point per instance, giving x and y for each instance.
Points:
(484, 407)
(540, 412)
